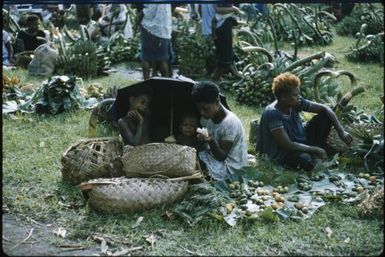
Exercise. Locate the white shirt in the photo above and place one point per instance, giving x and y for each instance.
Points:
(230, 129)
(157, 20)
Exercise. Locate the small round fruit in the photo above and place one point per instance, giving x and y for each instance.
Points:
(372, 178)
(275, 206)
(305, 210)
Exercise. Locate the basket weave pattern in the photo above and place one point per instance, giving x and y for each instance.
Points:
(171, 160)
(131, 194)
(89, 158)
(338, 145)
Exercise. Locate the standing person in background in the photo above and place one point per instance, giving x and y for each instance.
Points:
(222, 26)
(114, 18)
(155, 24)
(31, 37)
(8, 58)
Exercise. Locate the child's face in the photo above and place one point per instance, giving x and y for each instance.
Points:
(188, 127)
(140, 103)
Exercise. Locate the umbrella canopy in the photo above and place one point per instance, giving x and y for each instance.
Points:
(171, 98)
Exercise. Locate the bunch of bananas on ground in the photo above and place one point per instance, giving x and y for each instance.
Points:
(121, 49)
(94, 90)
(303, 24)
(367, 48)
(370, 14)
(82, 57)
(10, 81)
(194, 53)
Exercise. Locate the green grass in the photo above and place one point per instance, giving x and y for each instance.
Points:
(33, 188)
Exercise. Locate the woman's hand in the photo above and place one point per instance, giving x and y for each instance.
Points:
(346, 137)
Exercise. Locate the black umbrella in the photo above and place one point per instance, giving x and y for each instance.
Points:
(171, 98)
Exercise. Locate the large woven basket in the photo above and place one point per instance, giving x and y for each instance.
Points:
(122, 194)
(356, 128)
(171, 160)
(90, 158)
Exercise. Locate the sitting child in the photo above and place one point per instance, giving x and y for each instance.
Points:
(187, 130)
(134, 127)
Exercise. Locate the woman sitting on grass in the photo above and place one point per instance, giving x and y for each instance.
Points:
(225, 149)
(282, 136)
(134, 126)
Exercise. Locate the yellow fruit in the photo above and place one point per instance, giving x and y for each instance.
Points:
(280, 204)
(360, 189)
(275, 206)
(232, 186)
(279, 199)
(305, 210)
(15, 80)
(372, 178)
(232, 205)
(229, 208)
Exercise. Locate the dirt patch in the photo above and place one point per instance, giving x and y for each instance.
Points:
(15, 231)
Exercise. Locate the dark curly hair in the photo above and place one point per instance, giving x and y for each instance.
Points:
(205, 91)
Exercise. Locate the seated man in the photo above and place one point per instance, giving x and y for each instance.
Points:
(225, 150)
(30, 38)
(281, 135)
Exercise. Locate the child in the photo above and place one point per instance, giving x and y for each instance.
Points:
(187, 130)
(134, 127)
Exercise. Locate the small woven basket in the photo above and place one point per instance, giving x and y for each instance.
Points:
(171, 160)
(90, 158)
(122, 194)
(355, 128)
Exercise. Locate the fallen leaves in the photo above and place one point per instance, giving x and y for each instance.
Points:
(329, 232)
(151, 239)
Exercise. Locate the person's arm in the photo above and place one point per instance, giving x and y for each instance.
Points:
(10, 51)
(220, 149)
(127, 135)
(283, 140)
(319, 108)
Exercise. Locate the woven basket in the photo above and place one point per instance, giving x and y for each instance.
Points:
(122, 194)
(171, 160)
(339, 146)
(90, 158)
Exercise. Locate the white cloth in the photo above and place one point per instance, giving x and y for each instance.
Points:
(230, 129)
(157, 20)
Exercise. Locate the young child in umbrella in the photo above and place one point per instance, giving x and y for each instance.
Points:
(225, 152)
(187, 130)
(134, 126)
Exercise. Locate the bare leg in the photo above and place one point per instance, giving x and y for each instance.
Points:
(164, 70)
(146, 70)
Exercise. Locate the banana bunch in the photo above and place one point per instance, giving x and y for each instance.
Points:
(362, 13)
(194, 53)
(10, 81)
(119, 48)
(302, 24)
(367, 48)
(95, 90)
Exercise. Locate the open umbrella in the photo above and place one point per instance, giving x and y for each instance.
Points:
(171, 98)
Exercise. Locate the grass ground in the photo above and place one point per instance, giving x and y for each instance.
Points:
(33, 189)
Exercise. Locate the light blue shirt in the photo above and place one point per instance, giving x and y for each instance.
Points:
(208, 13)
